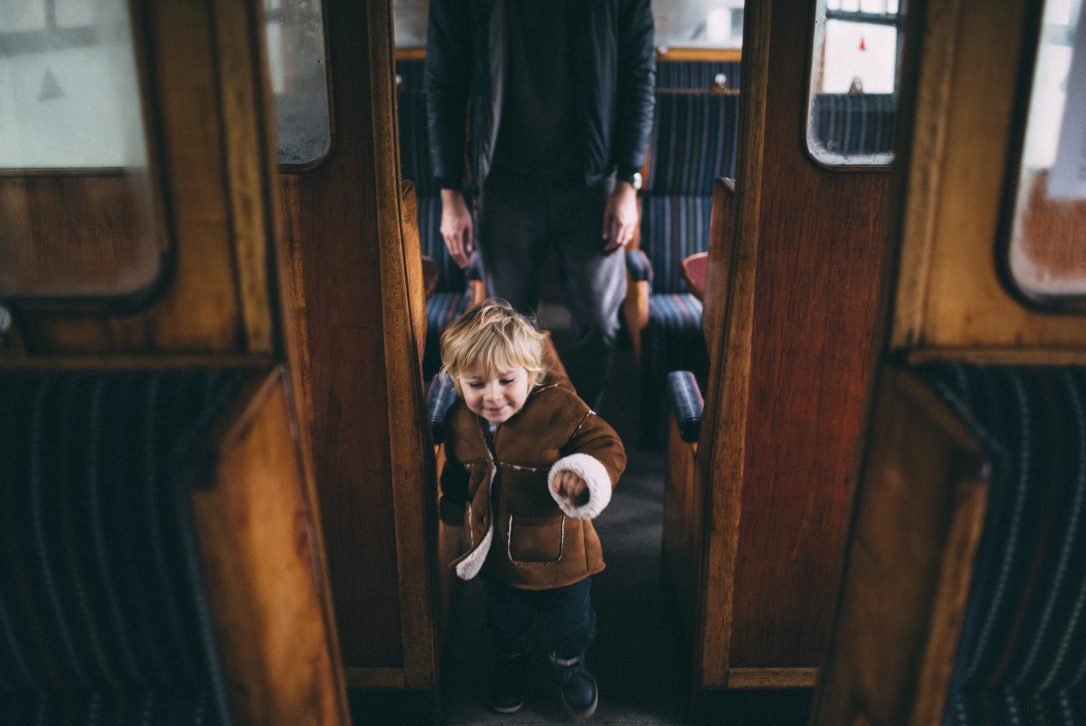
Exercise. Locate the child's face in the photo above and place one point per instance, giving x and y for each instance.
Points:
(497, 396)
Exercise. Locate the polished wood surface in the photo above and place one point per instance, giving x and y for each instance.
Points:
(918, 514)
(211, 168)
(358, 363)
(722, 228)
(950, 296)
(68, 235)
(255, 532)
(695, 270)
(789, 375)
(705, 55)
(419, 284)
(681, 533)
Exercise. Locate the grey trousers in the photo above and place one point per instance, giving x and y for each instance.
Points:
(517, 225)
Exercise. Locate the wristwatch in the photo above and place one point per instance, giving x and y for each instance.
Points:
(633, 178)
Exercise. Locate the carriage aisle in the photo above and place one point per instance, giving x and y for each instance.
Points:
(635, 657)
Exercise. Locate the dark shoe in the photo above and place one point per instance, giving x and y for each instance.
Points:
(510, 676)
(579, 692)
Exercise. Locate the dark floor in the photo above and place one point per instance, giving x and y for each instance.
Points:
(636, 657)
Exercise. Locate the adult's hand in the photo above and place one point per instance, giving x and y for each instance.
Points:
(620, 217)
(456, 226)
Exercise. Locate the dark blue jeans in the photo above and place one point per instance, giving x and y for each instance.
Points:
(567, 622)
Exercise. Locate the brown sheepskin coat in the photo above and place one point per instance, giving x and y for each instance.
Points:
(518, 530)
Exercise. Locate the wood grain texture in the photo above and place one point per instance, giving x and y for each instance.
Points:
(418, 285)
(411, 446)
(772, 677)
(681, 535)
(77, 236)
(255, 535)
(723, 433)
(823, 243)
(334, 265)
(917, 519)
(210, 197)
(783, 416)
(950, 294)
(721, 250)
(348, 268)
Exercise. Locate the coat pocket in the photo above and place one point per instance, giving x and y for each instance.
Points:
(536, 540)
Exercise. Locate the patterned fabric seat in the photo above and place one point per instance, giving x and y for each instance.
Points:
(693, 142)
(451, 296)
(855, 123)
(103, 612)
(696, 75)
(1021, 657)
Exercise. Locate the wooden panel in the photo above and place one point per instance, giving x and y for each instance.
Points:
(210, 165)
(771, 677)
(255, 534)
(723, 431)
(78, 235)
(950, 294)
(918, 515)
(783, 416)
(682, 533)
(331, 228)
(822, 245)
(347, 271)
(416, 285)
(721, 250)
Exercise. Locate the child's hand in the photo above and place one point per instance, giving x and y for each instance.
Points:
(571, 486)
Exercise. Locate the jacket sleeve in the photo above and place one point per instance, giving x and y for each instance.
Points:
(595, 453)
(447, 78)
(636, 82)
(454, 491)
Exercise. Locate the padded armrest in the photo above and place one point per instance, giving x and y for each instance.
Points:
(442, 395)
(639, 266)
(473, 271)
(687, 404)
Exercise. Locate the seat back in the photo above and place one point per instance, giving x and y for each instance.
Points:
(158, 552)
(852, 124)
(694, 141)
(697, 75)
(1022, 651)
(953, 610)
(103, 607)
(415, 165)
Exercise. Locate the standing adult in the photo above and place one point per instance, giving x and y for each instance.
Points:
(560, 94)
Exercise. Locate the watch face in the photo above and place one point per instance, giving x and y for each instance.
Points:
(636, 181)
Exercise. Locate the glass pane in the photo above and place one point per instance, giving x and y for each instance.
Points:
(853, 98)
(69, 100)
(1049, 231)
(295, 37)
(698, 23)
(69, 93)
(679, 23)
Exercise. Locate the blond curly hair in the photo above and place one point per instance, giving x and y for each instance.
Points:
(488, 336)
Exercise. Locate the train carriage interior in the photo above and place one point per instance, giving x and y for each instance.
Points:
(849, 375)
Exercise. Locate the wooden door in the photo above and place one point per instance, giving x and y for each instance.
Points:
(790, 370)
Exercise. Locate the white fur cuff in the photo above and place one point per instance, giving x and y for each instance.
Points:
(469, 567)
(595, 475)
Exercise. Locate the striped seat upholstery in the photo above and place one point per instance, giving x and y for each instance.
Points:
(855, 123)
(687, 404)
(442, 395)
(693, 143)
(103, 617)
(449, 299)
(695, 75)
(1021, 658)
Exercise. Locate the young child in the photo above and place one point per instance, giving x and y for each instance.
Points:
(528, 466)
